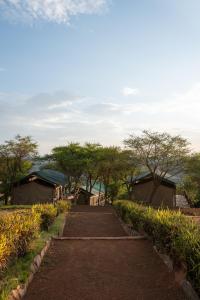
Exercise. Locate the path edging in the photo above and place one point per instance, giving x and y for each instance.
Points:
(180, 275)
(84, 238)
(20, 291)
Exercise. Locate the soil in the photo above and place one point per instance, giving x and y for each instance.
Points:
(101, 269)
(93, 221)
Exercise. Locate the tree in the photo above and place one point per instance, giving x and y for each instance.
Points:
(191, 180)
(131, 168)
(112, 170)
(161, 153)
(69, 160)
(92, 163)
(15, 156)
(92, 159)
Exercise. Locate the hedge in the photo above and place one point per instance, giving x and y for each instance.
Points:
(63, 206)
(172, 233)
(18, 229)
(16, 232)
(47, 214)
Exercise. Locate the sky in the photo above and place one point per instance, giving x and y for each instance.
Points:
(99, 70)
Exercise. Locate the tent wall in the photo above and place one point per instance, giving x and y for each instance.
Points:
(165, 195)
(32, 193)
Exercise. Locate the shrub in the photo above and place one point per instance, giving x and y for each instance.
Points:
(172, 232)
(47, 214)
(63, 206)
(16, 232)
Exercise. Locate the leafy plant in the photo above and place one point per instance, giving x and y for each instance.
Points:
(63, 206)
(16, 232)
(171, 231)
(47, 214)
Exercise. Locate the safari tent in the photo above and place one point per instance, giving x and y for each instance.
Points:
(44, 186)
(93, 198)
(165, 195)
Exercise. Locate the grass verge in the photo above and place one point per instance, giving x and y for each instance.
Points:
(18, 272)
(14, 207)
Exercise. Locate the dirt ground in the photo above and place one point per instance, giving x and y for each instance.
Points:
(101, 269)
(96, 221)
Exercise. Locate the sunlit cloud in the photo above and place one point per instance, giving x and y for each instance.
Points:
(128, 91)
(57, 11)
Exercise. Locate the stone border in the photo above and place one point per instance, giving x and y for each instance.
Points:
(180, 275)
(129, 229)
(61, 231)
(20, 291)
(87, 238)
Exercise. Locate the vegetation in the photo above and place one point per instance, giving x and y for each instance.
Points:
(16, 232)
(112, 169)
(47, 214)
(170, 231)
(18, 229)
(161, 153)
(63, 206)
(17, 273)
(91, 164)
(15, 162)
(191, 181)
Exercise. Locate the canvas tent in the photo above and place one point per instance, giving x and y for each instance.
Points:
(94, 198)
(44, 186)
(165, 195)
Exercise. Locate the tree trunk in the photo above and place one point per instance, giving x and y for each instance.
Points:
(99, 193)
(153, 193)
(6, 199)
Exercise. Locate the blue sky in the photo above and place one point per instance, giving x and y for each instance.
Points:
(86, 70)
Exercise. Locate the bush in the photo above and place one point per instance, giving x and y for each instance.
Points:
(172, 232)
(63, 206)
(16, 232)
(47, 214)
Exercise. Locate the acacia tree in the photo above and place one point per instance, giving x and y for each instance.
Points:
(92, 163)
(130, 169)
(92, 160)
(69, 160)
(113, 166)
(191, 180)
(15, 161)
(161, 153)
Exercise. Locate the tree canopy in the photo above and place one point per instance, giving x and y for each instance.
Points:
(15, 156)
(162, 154)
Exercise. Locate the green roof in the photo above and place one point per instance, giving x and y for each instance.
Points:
(51, 176)
(168, 178)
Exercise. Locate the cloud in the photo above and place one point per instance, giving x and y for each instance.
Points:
(50, 117)
(128, 91)
(57, 11)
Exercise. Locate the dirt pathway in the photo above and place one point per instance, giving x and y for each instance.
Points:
(101, 269)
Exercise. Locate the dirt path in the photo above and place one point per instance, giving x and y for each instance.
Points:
(101, 269)
(94, 221)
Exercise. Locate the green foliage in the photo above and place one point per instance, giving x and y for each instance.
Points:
(63, 206)
(191, 182)
(161, 153)
(47, 214)
(15, 162)
(92, 163)
(18, 272)
(19, 228)
(16, 231)
(171, 231)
